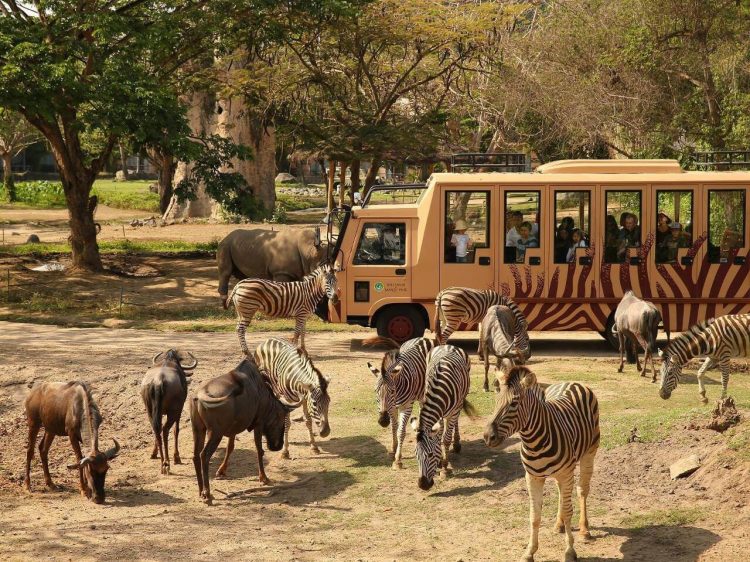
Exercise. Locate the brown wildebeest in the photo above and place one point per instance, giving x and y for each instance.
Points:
(637, 322)
(68, 408)
(497, 337)
(227, 405)
(164, 390)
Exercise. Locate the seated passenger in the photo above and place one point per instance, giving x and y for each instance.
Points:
(562, 244)
(514, 218)
(391, 245)
(579, 241)
(662, 227)
(629, 236)
(526, 240)
(611, 235)
(669, 246)
(462, 242)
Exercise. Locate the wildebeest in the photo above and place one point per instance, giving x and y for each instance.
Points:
(227, 405)
(497, 337)
(68, 408)
(164, 390)
(637, 322)
(288, 255)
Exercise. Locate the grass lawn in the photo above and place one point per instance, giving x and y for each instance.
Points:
(127, 195)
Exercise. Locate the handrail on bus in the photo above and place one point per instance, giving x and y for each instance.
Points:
(494, 161)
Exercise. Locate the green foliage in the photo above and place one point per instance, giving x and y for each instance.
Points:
(664, 517)
(133, 194)
(141, 247)
(43, 194)
(279, 214)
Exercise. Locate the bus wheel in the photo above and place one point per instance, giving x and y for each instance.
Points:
(400, 323)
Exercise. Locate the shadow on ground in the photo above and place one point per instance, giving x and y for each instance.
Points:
(659, 542)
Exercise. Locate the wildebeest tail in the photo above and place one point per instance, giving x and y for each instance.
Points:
(654, 319)
(157, 397)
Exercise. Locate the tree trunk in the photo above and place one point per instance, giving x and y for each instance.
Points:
(331, 179)
(10, 188)
(167, 167)
(372, 173)
(82, 226)
(124, 162)
(355, 164)
(342, 184)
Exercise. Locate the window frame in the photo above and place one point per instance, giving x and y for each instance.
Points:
(606, 209)
(487, 229)
(554, 216)
(505, 215)
(742, 190)
(364, 228)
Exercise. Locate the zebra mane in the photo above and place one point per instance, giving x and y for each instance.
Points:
(683, 340)
(321, 379)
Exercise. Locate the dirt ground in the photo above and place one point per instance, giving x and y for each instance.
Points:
(51, 225)
(350, 505)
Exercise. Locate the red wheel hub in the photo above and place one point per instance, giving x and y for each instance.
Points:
(400, 328)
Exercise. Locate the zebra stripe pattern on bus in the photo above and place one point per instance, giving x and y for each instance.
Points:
(719, 339)
(295, 381)
(399, 382)
(458, 305)
(296, 299)
(559, 429)
(446, 387)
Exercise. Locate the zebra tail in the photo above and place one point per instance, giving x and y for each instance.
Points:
(437, 319)
(470, 410)
(230, 298)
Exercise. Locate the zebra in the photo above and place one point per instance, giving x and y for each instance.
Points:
(559, 428)
(496, 337)
(719, 338)
(446, 387)
(295, 381)
(296, 300)
(399, 382)
(462, 304)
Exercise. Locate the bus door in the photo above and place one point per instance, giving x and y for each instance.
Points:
(673, 262)
(467, 230)
(725, 250)
(523, 242)
(573, 257)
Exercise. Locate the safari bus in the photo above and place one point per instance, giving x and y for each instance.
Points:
(565, 242)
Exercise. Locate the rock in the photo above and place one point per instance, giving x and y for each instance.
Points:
(283, 177)
(33, 239)
(684, 467)
(116, 323)
(154, 188)
(120, 175)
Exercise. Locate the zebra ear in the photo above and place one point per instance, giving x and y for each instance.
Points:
(529, 379)
(660, 352)
(373, 370)
(397, 369)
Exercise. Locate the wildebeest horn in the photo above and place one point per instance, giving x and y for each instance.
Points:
(193, 366)
(84, 461)
(153, 361)
(112, 453)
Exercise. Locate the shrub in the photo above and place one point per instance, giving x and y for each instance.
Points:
(39, 193)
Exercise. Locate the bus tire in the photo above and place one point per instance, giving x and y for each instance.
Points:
(614, 341)
(400, 323)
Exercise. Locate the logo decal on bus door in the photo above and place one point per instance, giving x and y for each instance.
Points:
(379, 286)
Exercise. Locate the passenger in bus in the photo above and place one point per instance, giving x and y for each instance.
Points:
(512, 223)
(611, 235)
(391, 245)
(579, 241)
(562, 244)
(630, 235)
(669, 246)
(461, 241)
(662, 228)
(526, 240)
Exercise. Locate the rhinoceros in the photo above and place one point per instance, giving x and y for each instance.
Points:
(286, 255)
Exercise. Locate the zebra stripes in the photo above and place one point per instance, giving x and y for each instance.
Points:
(719, 339)
(296, 300)
(559, 429)
(461, 304)
(446, 387)
(295, 381)
(399, 382)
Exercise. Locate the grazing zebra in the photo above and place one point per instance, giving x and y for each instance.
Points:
(496, 337)
(399, 382)
(719, 338)
(295, 381)
(461, 304)
(559, 428)
(296, 300)
(447, 385)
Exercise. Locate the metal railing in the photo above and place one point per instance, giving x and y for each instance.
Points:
(397, 190)
(491, 161)
(721, 160)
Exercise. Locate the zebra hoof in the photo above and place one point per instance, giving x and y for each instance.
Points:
(559, 528)
(397, 465)
(527, 558)
(315, 449)
(457, 447)
(486, 387)
(570, 556)
(585, 536)
(704, 400)
(620, 370)
(284, 454)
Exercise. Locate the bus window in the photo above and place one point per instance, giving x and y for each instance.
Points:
(521, 224)
(466, 225)
(382, 244)
(572, 223)
(622, 229)
(674, 224)
(726, 223)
